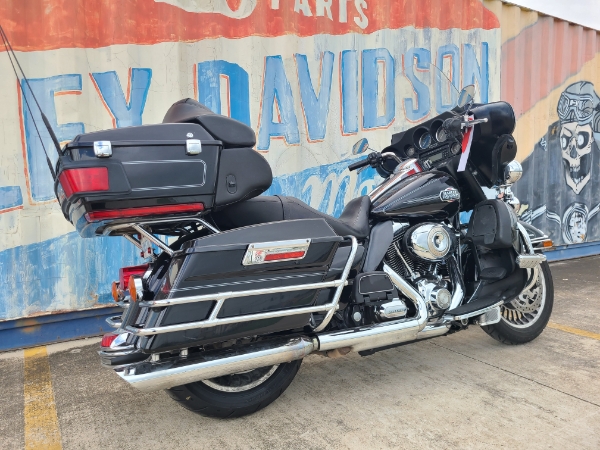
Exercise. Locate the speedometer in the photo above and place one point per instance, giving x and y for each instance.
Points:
(441, 135)
(425, 141)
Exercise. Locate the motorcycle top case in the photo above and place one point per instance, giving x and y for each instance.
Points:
(218, 263)
(152, 172)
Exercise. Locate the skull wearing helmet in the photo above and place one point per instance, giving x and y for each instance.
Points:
(577, 110)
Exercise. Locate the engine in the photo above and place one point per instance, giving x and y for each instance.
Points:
(419, 254)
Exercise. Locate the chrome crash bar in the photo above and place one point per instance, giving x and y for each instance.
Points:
(220, 298)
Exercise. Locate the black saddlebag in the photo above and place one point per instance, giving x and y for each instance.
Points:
(238, 260)
(150, 172)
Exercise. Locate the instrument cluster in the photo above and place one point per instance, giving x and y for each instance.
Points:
(429, 142)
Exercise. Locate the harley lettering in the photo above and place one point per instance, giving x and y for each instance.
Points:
(449, 195)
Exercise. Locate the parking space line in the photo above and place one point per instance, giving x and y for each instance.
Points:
(41, 420)
(572, 330)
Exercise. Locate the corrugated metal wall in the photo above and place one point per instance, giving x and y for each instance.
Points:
(310, 76)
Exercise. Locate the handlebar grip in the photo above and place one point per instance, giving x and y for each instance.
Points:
(453, 125)
(359, 164)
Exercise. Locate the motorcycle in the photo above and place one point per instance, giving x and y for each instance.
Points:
(238, 288)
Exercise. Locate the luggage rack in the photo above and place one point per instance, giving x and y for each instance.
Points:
(221, 297)
(139, 227)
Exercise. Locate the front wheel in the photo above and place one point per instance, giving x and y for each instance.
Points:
(524, 319)
(237, 394)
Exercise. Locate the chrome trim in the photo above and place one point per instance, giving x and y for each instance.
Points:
(382, 334)
(391, 155)
(513, 172)
(431, 242)
(478, 312)
(153, 239)
(246, 387)
(530, 261)
(208, 225)
(133, 240)
(395, 309)
(193, 147)
(490, 317)
(404, 287)
(171, 372)
(257, 252)
(457, 282)
(102, 149)
(114, 321)
(220, 298)
(438, 329)
(400, 173)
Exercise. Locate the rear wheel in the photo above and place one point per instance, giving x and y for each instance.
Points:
(237, 394)
(524, 319)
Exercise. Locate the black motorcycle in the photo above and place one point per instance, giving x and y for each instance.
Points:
(239, 287)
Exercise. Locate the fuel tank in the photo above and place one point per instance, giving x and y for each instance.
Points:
(426, 195)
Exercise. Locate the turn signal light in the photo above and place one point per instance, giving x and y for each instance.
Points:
(132, 289)
(548, 243)
(108, 339)
(287, 255)
(89, 179)
(115, 290)
(95, 216)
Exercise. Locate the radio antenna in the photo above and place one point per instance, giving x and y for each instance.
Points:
(11, 56)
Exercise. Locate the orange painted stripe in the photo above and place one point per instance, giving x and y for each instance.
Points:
(49, 24)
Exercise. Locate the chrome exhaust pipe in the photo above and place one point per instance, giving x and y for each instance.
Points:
(152, 376)
(163, 374)
(382, 334)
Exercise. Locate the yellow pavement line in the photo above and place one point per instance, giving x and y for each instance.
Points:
(41, 421)
(576, 331)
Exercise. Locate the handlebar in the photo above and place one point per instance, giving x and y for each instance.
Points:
(374, 159)
(359, 164)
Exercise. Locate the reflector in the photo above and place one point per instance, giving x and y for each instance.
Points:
(108, 339)
(286, 255)
(126, 272)
(95, 216)
(89, 179)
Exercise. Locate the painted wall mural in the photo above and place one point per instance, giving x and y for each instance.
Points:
(311, 77)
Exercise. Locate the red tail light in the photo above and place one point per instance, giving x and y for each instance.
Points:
(108, 339)
(95, 216)
(286, 255)
(90, 179)
(126, 272)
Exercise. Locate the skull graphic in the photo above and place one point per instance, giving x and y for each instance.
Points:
(576, 146)
(578, 111)
(575, 223)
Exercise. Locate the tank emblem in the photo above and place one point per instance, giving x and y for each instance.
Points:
(449, 195)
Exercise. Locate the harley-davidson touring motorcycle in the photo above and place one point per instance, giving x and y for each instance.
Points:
(238, 288)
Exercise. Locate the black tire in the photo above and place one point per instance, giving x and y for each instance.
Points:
(506, 333)
(202, 399)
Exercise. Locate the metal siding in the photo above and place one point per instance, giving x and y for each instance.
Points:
(98, 64)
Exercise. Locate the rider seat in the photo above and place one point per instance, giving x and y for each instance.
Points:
(353, 221)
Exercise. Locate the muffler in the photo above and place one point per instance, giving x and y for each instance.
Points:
(152, 376)
(176, 371)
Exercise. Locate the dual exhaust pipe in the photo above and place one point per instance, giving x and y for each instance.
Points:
(151, 376)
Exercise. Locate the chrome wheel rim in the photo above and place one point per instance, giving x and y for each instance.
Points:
(527, 308)
(242, 381)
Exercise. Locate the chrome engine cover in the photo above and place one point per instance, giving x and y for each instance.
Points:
(430, 241)
(395, 309)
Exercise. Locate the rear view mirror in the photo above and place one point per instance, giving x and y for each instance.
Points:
(466, 96)
(360, 147)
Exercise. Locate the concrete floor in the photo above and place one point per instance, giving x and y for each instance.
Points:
(460, 391)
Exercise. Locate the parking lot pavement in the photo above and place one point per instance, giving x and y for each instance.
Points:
(460, 391)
